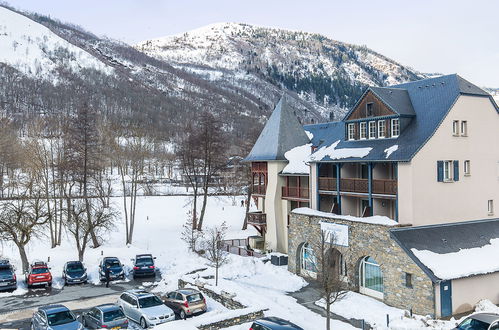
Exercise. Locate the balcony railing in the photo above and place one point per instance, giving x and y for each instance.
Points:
(257, 218)
(379, 186)
(259, 189)
(295, 192)
(259, 167)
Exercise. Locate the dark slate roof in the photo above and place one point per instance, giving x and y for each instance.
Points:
(282, 132)
(445, 238)
(431, 99)
(396, 99)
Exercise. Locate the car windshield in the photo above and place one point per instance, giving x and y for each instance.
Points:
(5, 272)
(113, 315)
(473, 324)
(40, 270)
(194, 297)
(113, 263)
(147, 261)
(149, 302)
(60, 318)
(75, 267)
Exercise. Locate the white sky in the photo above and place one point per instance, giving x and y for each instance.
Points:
(459, 36)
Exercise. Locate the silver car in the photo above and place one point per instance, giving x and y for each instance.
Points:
(145, 308)
(105, 316)
(55, 317)
(480, 321)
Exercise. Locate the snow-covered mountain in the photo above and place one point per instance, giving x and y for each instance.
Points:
(36, 51)
(328, 73)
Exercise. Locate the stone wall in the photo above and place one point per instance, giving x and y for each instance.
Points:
(225, 300)
(368, 240)
(233, 321)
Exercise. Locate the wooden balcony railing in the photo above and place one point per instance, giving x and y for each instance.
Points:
(257, 218)
(259, 189)
(295, 192)
(259, 167)
(379, 186)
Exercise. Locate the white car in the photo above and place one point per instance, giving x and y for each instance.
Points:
(145, 308)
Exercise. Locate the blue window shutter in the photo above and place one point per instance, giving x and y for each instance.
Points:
(440, 171)
(456, 170)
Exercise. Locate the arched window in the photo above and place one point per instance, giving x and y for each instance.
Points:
(371, 278)
(308, 259)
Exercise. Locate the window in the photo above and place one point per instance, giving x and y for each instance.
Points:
(467, 168)
(464, 128)
(308, 258)
(448, 170)
(381, 129)
(455, 128)
(363, 131)
(490, 206)
(395, 127)
(408, 280)
(372, 129)
(351, 131)
(369, 109)
(371, 278)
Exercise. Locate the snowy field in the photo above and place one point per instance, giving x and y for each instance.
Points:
(256, 284)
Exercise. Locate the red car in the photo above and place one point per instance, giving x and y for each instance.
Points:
(38, 274)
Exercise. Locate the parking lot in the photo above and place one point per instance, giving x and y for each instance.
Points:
(16, 311)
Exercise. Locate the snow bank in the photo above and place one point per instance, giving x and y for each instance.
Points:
(391, 150)
(342, 153)
(376, 220)
(465, 262)
(297, 158)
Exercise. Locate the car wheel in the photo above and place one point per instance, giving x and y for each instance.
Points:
(50, 284)
(182, 314)
(143, 323)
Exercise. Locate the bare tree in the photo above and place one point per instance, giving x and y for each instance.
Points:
(191, 235)
(329, 266)
(131, 154)
(212, 244)
(77, 224)
(20, 220)
(83, 155)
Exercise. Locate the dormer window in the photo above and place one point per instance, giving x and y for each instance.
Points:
(351, 131)
(372, 129)
(363, 131)
(395, 127)
(369, 109)
(381, 129)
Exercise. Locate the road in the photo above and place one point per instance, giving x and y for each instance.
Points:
(16, 311)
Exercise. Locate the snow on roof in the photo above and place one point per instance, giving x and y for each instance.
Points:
(297, 158)
(375, 220)
(465, 262)
(391, 150)
(334, 153)
(310, 135)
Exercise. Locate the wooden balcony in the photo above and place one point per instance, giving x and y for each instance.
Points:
(295, 193)
(259, 189)
(257, 218)
(382, 187)
(259, 167)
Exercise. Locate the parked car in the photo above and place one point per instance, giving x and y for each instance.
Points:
(143, 265)
(74, 272)
(273, 323)
(480, 321)
(38, 274)
(116, 270)
(186, 302)
(55, 317)
(8, 280)
(105, 316)
(145, 308)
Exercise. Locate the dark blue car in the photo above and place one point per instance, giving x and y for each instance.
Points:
(116, 271)
(274, 323)
(74, 272)
(8, 280)
(144, 265)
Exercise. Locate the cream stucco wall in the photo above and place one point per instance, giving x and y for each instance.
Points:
(276, 237)
(423, 200)
(313, 186)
